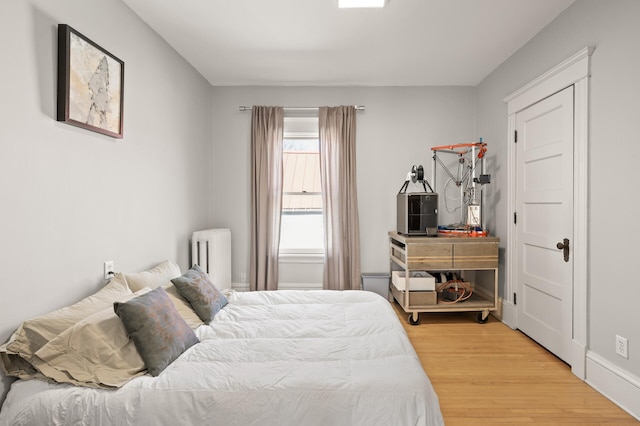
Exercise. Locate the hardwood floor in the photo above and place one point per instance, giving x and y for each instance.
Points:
(487, 374)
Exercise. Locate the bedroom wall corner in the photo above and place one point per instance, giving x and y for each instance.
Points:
(72, 198)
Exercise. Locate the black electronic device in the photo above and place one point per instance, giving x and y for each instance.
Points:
(417, 213)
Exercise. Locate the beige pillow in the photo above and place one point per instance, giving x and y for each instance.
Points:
(183, 307)
(158, 276)
(95, 352)
(33, 334)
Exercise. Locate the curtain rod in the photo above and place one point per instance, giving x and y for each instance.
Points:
(248, 108)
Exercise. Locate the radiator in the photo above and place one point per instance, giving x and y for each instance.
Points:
(211, 250)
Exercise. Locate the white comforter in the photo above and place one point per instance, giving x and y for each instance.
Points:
(268, 358)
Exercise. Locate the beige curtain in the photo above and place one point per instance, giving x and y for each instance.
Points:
(267, 124)
(337, 126)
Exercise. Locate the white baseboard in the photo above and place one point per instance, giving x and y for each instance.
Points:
(508, 313)
(578, 359)
(620, 386)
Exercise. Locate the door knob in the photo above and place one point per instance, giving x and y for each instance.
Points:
(564, 246)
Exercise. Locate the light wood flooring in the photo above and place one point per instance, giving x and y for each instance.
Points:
(488, 374)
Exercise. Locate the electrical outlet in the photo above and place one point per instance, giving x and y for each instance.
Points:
(109, 270)
(243, 277)
(622, 347)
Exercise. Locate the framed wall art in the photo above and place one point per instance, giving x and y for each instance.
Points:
(90, 84)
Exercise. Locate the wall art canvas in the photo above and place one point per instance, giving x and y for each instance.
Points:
(90, 84)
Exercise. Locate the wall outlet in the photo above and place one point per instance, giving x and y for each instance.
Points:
(243, 277)
(109, 270)
(622, 347)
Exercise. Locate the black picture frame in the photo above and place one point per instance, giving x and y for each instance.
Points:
(90, 84)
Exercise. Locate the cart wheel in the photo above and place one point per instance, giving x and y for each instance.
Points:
(481, 319)
(415, 321)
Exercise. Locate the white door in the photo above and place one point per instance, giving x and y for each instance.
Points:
(544, 202)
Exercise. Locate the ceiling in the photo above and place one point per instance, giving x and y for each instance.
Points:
(312, 42)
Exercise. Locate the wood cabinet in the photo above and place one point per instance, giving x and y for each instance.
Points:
(473, 259)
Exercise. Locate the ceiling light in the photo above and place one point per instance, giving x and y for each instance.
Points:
(361, 3)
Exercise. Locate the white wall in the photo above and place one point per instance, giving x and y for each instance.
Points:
(396, 131)
(70, 198)
(611, 27)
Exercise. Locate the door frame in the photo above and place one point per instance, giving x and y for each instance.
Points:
(573, 71)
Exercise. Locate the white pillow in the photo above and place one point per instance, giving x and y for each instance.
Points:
(158, 276)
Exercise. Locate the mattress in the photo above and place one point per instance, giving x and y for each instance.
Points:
(268, 358)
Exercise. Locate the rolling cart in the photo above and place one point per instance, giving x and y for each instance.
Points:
(475, 260)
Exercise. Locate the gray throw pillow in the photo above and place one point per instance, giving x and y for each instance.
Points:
(159, 332)
(195, 286)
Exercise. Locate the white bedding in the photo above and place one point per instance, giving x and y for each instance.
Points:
(268, 358)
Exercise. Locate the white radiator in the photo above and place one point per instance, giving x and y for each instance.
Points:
(211, 250)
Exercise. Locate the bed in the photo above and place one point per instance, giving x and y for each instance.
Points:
(268, 358)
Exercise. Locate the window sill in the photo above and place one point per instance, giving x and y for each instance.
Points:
(301, 257)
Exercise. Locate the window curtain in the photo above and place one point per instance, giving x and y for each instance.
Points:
(337, 132)
(267, 124)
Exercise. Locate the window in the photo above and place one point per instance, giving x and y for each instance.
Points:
(301, 229)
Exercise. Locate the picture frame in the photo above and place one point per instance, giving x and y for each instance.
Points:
(90, 84)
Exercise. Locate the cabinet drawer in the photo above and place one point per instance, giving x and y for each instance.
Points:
(429, 256)
(475, 255)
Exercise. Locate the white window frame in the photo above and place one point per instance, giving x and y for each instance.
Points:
(301, 128)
